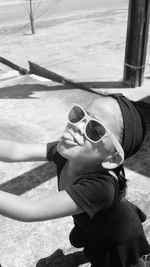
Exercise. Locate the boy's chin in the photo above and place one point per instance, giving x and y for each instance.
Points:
(62, 148)
(66, 151)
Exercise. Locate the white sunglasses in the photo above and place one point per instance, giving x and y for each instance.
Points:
(94, 130)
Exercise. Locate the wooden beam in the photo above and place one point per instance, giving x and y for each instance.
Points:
(136, 42)
(13, 66)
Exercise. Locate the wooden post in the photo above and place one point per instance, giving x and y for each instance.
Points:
(136, 42)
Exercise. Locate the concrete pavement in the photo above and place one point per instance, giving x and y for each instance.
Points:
(86, 48)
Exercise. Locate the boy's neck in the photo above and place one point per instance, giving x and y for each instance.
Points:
(76, 168)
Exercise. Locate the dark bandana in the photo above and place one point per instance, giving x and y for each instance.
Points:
(134, 125)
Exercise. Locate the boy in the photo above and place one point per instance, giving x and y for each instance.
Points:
(89, 158)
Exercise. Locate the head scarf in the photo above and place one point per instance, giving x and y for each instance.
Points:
(134, 125)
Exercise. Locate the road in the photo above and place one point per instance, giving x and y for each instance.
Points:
(16, 11)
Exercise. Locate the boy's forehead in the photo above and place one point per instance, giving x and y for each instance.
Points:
(107, 111)
(101, 108)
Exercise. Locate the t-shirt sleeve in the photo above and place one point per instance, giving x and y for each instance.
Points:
(52, 153)
(92, 193)
(54, 156)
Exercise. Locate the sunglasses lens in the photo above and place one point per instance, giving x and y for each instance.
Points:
(94, 130)
(76, 114)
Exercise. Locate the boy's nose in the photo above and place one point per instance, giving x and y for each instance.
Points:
(78, 126)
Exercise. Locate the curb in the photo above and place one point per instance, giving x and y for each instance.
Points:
(9, 75)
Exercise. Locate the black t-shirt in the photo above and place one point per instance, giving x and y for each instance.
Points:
(105, 217)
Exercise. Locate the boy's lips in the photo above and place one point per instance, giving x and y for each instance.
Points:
(68, 138)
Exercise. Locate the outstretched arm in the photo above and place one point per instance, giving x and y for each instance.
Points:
(57, 205)
(11, 151)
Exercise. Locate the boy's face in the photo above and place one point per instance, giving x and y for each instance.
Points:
(75, 146)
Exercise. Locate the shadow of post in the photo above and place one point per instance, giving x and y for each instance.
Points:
(29, 180)
(26, 90)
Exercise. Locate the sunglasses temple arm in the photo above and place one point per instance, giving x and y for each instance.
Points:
(118, 146)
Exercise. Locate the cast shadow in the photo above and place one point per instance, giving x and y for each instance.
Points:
(30, 179)
(25, 91)
(59, 259)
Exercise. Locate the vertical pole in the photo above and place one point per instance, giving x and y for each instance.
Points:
(136, 42)
(31, 18)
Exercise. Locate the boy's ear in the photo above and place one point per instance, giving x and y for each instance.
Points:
(113, 161)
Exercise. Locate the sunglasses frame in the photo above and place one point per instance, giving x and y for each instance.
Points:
(89, 118)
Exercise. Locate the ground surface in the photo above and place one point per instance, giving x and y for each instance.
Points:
(87, 47)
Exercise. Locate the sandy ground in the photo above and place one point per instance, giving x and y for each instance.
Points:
(85, 47)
